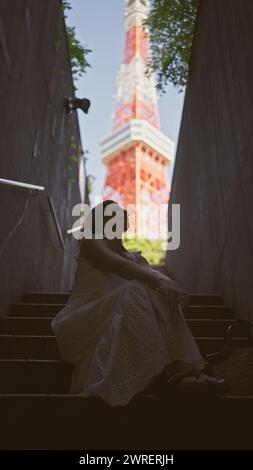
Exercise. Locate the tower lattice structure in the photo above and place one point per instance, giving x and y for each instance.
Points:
(136, 153)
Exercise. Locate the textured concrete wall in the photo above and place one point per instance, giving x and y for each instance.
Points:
(214, 166)
(39, 144)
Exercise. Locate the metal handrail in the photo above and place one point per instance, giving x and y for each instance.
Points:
(20, 184)
(73, 230)
(34, 187)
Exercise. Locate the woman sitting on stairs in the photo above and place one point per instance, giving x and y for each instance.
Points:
(122, 328)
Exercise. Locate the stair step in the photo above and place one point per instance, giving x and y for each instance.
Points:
(210, 345)
(45, 347)
(209, 311)
(35, 309)
(68, 422)
(41, 326)
(205, 299)
(63, 297)
(28, 347)
(34, 376)
(50, 310)
(37, 412)
(46, 297)
(213, 327)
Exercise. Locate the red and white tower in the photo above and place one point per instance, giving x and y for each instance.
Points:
(137, 154)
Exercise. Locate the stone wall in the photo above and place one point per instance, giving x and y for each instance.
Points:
(39, 144)
(214, 165)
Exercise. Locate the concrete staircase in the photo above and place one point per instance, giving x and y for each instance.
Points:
(38, 412)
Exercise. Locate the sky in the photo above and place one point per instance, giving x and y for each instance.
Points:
(100, 26)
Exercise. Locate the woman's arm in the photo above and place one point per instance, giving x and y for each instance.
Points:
(161, 269)
(107, 260)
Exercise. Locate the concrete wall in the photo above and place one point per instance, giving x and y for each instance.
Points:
(214, 165)
(39, 144)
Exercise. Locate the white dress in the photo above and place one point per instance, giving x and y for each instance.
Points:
(119, 334)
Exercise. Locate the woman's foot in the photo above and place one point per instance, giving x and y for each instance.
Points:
(190, 386)
(204, 384)
(181, 385)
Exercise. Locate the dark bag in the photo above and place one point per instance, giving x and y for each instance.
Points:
(235, 364)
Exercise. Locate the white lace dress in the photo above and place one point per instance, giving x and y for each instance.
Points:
(119, 334)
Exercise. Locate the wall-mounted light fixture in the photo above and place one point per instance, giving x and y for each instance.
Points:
(78, 103)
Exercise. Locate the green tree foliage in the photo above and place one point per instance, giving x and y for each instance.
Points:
(171, 26)
(77, 51)
(152, 250)
(89, 182)
(77, 54)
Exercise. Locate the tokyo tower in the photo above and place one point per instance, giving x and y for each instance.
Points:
(136, 153)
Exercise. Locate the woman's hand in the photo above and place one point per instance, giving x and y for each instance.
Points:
(170, 289)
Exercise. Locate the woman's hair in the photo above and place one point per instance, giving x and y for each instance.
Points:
(97, 217)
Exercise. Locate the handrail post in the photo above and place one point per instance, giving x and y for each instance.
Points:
(57, 225)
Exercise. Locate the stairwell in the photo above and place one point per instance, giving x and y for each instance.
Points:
(37, 412)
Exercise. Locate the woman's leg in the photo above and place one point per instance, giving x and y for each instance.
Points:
(188, 369)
